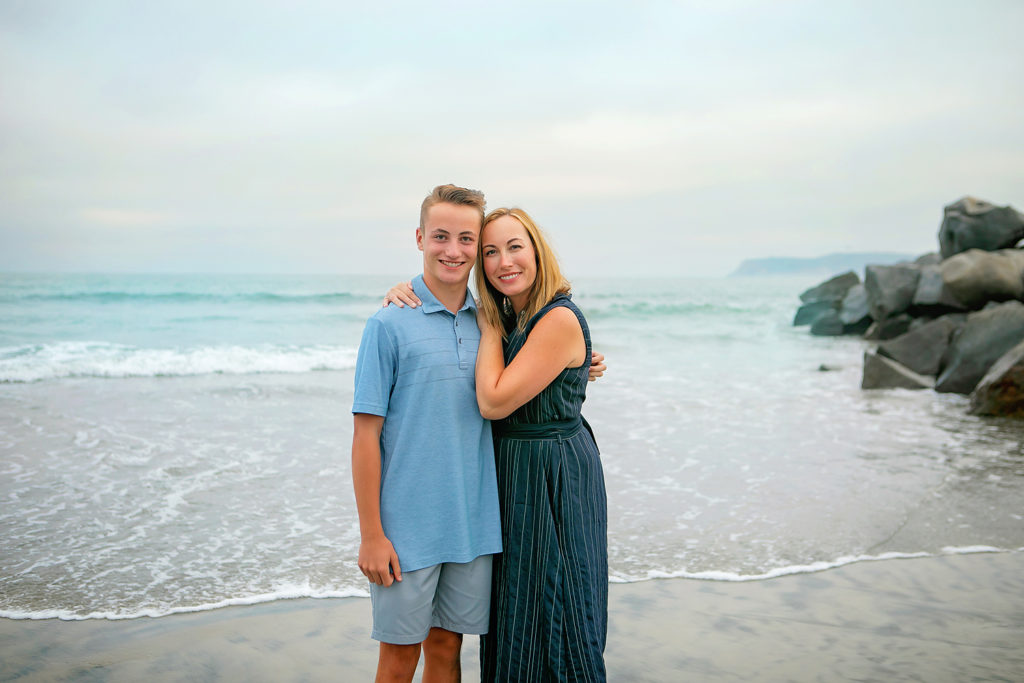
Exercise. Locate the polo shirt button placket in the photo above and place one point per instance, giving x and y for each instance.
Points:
(458, 338)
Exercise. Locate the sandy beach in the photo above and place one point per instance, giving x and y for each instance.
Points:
(949, 618)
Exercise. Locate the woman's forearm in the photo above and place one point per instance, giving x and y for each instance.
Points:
(490, 363)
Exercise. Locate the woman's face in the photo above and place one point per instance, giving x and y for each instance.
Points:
(509, 259)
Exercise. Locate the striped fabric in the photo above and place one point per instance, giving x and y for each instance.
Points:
(549, 597)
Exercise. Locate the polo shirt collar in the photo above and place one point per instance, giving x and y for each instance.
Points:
(430, 303)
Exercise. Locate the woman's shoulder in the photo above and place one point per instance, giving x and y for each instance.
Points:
(560, 307)
(564, 300)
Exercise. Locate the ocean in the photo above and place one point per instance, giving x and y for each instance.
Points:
(181, 443)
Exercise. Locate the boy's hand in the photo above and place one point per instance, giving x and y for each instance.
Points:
(378, 561)
(597, 366)
(402, 295)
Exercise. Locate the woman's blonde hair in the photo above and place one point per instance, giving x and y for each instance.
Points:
(496, 308)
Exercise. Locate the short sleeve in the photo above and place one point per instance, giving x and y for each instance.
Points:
(376, 367)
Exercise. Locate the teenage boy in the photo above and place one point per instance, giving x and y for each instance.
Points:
(423, 458)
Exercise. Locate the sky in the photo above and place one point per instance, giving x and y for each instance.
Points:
(646, 138)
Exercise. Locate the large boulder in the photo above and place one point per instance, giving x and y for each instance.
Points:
(1001, 390)
(971, 223)
(984, 338)
(930, 259)
(959, 318)
(891, 288)
(811, 311)
(821, 306)
(921, 349)
(889, 328)
(884, 373)
(859, 327)
(975, 277)
(833, 289)
(854, 308)
(933, 296)
(828, 325)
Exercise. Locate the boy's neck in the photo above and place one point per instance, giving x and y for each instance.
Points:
(451, 296)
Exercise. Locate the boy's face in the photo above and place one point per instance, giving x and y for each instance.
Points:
(448, 240)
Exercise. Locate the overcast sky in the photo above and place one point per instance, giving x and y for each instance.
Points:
(661, 138)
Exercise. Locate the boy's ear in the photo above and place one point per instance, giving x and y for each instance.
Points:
(419, 238)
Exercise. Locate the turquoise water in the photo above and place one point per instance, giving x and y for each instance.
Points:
(53, 327)
(175, 443)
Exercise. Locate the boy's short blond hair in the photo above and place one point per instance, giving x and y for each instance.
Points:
(453, 194)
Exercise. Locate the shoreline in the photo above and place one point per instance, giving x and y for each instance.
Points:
(713, 576)
(947, 617)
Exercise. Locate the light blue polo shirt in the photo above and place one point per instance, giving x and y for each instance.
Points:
(439, 493)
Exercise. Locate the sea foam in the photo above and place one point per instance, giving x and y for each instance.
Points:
(286, 592)
(37, 362)
(810, 568)
(305, 590)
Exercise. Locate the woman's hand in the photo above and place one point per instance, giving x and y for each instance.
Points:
(597, 366)
(400, 295)
(488, 335)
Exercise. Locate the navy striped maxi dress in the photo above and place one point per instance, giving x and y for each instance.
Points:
(549, 592)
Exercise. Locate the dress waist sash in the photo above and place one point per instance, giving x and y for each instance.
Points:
(560, 429)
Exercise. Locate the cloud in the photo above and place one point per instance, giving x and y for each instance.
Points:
(121, 218)
(707, 132)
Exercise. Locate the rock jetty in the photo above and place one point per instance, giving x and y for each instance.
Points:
(951, 321)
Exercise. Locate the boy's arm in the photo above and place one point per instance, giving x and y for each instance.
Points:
(377, 557)
(401, 295)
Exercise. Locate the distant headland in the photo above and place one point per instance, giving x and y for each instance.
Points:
(829, 263)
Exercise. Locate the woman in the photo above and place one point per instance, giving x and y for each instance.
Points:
(550, 588)
(549, 597)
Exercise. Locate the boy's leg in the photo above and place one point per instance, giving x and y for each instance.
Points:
(397, 663)
(442, 661)
(402, 615)
(461, 605)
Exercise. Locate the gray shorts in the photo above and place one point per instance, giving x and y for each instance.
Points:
(452, 596)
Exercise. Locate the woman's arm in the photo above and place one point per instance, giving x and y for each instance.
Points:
(555, 343)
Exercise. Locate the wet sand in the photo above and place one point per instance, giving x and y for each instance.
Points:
(951, 618)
